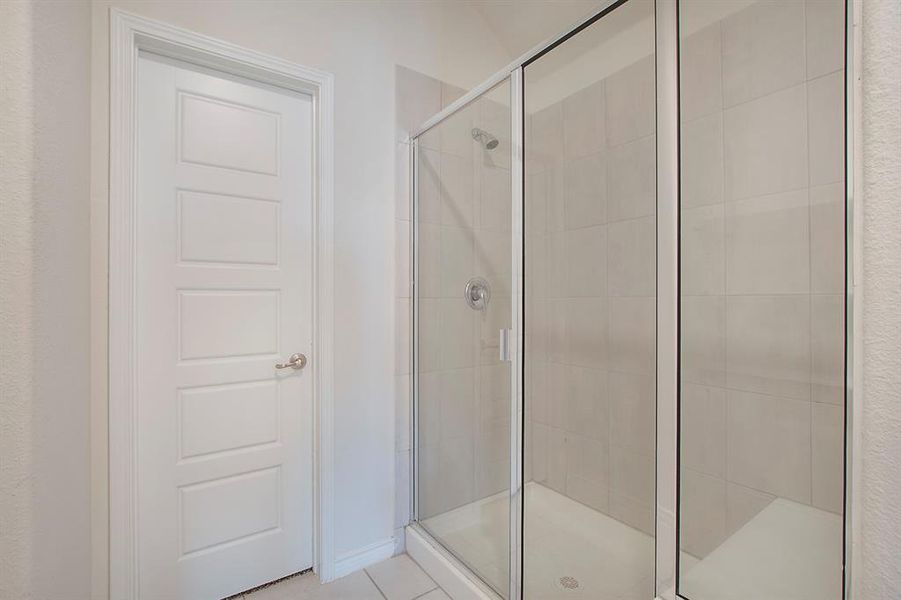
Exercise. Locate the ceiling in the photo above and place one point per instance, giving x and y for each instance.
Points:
(521, 24)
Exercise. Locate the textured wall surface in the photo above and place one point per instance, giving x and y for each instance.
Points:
(880, 535)
(45, 476)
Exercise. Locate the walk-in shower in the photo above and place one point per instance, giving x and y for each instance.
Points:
(629, 309)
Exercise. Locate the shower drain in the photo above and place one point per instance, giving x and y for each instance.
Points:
(568, 583)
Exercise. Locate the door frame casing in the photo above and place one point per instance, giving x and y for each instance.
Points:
(129, 35)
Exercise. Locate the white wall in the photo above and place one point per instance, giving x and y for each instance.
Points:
(359, 42)
(44, 312)
(878, 562)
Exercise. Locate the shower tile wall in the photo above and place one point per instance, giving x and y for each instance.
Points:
(464, 231)
(590, 268)
(762, 266)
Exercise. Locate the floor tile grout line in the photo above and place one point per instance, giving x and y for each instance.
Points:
(375, 584)
(429, 591)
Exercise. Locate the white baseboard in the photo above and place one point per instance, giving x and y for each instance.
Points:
(444, 569)
(361, 558)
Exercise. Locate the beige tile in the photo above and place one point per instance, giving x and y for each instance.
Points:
(492, 477)
(495, 204)
(585, 405)
(826, 113)
(458, 342)
(494, 440)
(828, 457)
(495, 118)
(630, 102)
(585, 191)
(356, 586)
(536, 201)
(428, 410)
(458, 402)
(403, 181)
(587, 459)
(400, 578)
(586, 261)
(456, 466)
(632, 475)
(639, 515)
(545, 141)
(584, 127)
(456, 133)
(457, 260)
(418, 98)
(703, 429)
(702, 520)
(768, 344)
(768, 245)
(827, 348)
(428, 208)
(457, 191)
(586, 331)
(556, 460)
(827, 238)
(703, 247)
(763, 50)
(429, 257)
(587, 491)
(631, 257)
(449, 94)
(492, 261)
(536, 453)
(742, 505)
(768, 444)
(700, 74)
(631, 180)
(631, 339)
(766, 145)
(703, 327)
(701, 164)
(825, 36)
(632, 421)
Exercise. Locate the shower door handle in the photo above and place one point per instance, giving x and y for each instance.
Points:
(504, 345)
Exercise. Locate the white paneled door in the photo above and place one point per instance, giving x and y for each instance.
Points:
(224, 276)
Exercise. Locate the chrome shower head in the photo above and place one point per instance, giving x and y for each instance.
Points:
(488, 141)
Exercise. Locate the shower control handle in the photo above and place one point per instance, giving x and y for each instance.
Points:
(296, 361)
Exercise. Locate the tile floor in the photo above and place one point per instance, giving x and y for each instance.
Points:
(397, 578)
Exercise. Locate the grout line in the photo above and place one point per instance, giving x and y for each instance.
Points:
(366, 570)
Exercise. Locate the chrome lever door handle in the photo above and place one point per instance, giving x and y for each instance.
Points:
(295, 361)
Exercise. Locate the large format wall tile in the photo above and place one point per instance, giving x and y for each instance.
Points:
(584, 125)
(768, 344)
(768, 444)
(631, 103)
(701, 73)
(763, 50)
(766, 145)
(631, 257)
(826, 113)
(701, 167)
(825, 25)
(702, 253)
(768, 245)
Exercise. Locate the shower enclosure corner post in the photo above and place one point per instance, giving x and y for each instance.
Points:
(414, 329)
(517, 438)
(667, 70)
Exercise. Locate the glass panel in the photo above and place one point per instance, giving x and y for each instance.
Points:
(590, 290)
(464, 298)
(762, 299)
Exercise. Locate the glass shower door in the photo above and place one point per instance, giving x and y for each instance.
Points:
(463, 300)
(590, 292)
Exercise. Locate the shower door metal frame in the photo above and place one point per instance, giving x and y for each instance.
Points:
(666, 26)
